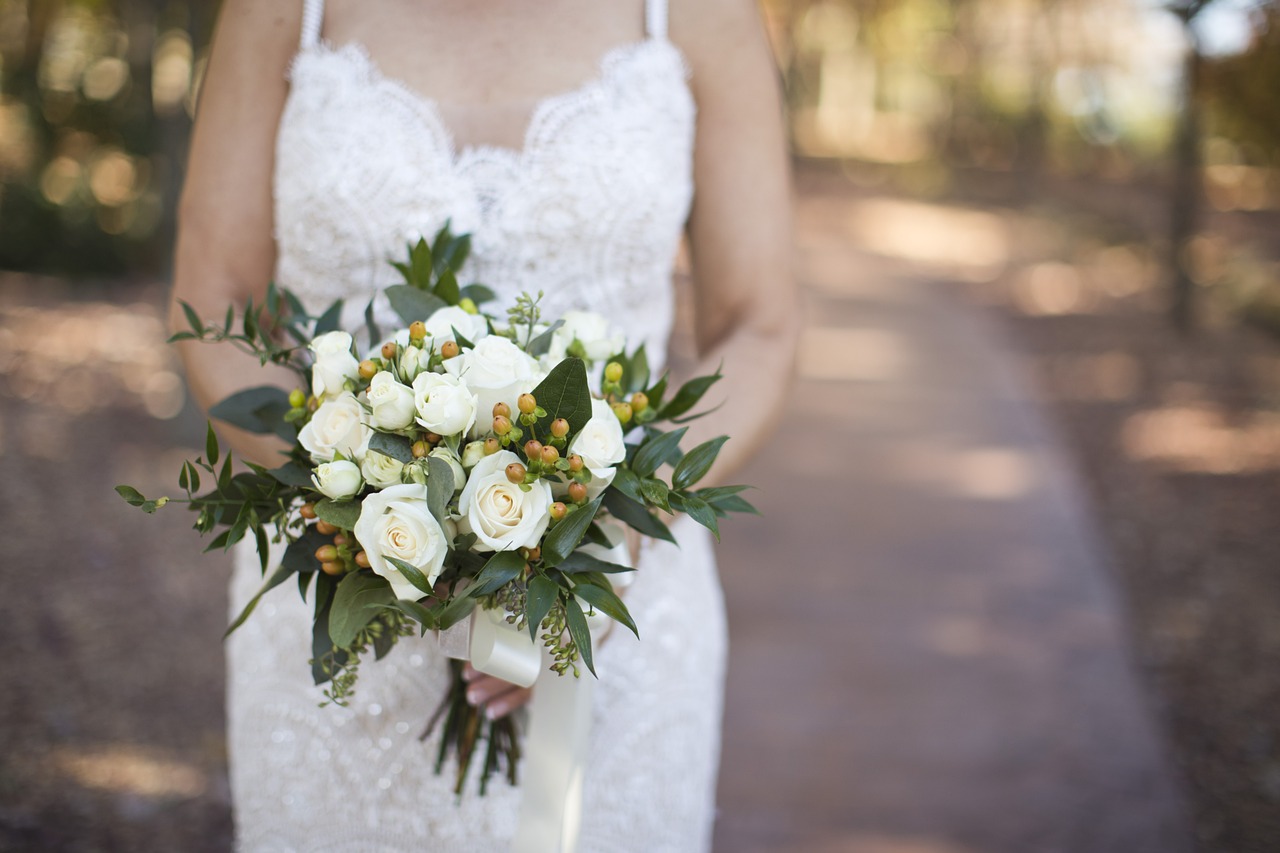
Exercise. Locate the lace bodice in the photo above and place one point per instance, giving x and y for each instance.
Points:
(589, 210)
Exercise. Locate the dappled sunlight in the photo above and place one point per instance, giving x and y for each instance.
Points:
(130, 769)
(969, 244)
(993, 473)
(1203, 438)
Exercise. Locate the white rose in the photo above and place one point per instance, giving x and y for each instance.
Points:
(396, 522)
(412, 362)
(501, 515)
(592, 333)
(334, 364)
(381, 470)
(444, 403)
(337, 480)
(472, 453)
(338, 425)
(391, 403)
(497, 371)
(600, 445)
(441, 324)
(455, 465)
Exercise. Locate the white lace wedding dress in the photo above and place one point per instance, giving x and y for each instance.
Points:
(590, 212)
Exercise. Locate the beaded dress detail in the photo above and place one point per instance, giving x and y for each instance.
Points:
(590, 212)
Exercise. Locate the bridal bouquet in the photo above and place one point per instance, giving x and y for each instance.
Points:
(467, 461)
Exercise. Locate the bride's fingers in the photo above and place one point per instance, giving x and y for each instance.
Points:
(507, 702)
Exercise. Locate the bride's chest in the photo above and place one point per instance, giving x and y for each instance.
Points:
(614, 153)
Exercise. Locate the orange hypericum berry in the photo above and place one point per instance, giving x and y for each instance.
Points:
(558, 510)
(527, 404)
(501, 410)
(577, 492)
(501, 425)
(308, 511)
(639, 402)
(333, 567)
(432, 438)
(362, 559)
(421, 448)
(559, 427)
(613, 372)
(575, 463)
(535, 553)
(341, 539)
(491, 446)
(550, 455)
(326, 553)
(516, 472)
(389, 350)
(325, 528)
(367, 369)
(533, 449)
(417, 330)
(449, 349)
(623, 411)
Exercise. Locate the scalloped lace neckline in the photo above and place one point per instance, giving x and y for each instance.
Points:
(543, 109)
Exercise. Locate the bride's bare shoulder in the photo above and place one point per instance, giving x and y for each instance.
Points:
(720, 38)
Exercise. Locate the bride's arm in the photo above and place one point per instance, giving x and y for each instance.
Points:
(746, 309)
(225, 251)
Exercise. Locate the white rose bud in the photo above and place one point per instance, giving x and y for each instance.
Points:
(441, 324)
(590, 330)
(472, 453)
(444, 403)
(502, 516)
(334, 364)
(600, 444)
(338, 425)
(496, 371)
(412, 362)
(459, 476)
(396, 522)
(337, 480)
(381, 470)
(390, 402)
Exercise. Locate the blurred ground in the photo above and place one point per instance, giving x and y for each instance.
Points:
(946, 667)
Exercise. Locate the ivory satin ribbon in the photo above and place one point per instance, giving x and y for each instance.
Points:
(555, 745)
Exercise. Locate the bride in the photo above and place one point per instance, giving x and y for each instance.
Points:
(567, 138)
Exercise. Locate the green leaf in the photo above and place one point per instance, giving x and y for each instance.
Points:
(581, 561)
(637, 376)
(355, 602)
(626, 481)
(454, 612)
(714, 493)
(607, 602)
(540, 344)
(579, 631)
(695, 464)
(192, 317)
(447, 287)
(689, 395)
(656, 450)
(330, 319)
(304, 583)
(321, 642)
(344, 514)
(655, 492)
(439, 487)
(388, 444)
(636, 515)
(224, 476)
(568, 532)
(502, 568)
(478, 293)
(701, 512)
(211, 445)
(462, 340)
(371, 325)
(420, 264)
(412, 304)
(412, 574)
(565, 394)
(277, 577)
(131, 495)
(259, 410)
(543, 593)
(292, 474)
(420, 612)
(734, 503)
(193, 477)
(181, 336)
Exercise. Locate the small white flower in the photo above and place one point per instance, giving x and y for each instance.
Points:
(472, 453)
(380, 470)
(591, 331)
(497, 371)
(441, 324)
(338, 425)
(444, 403)
(498, 512)
(396, 522)
(600, 444)
(334, 364)
(391, 403)
(337, 480)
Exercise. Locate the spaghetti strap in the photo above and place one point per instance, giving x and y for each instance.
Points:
(312, 19)
(655, 18)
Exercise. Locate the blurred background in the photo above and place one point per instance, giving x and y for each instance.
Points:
(1033, 605)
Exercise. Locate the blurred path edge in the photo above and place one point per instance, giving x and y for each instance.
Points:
(928, 650)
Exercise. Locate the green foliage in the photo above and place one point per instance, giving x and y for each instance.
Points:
(343, 514)
(564, 393)
(360, 596)
(568, 532)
